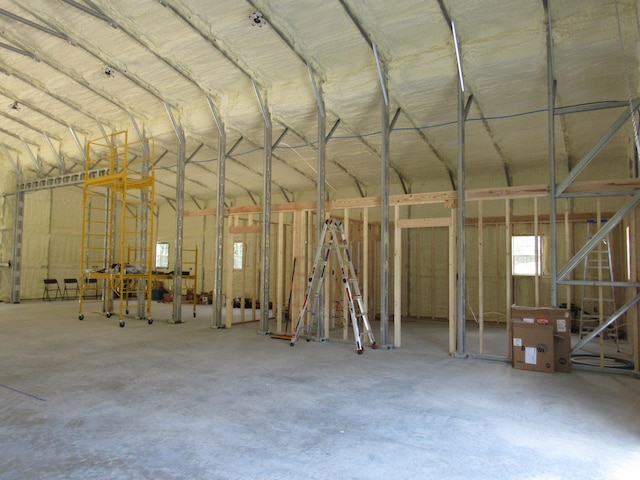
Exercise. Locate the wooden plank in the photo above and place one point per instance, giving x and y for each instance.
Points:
(365, 259)
(246, 229)
(632, 315)
(536, 280)
(280, 273)
(345, 320)
(452, 283)
(229, 278)
(481, 276)
(508, 289)
(200, 213)
(528, 191)
(567, 246)
(423, 222)
(573, 217)
(397, 277)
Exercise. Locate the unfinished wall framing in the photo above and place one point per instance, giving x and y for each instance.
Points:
(421, 272)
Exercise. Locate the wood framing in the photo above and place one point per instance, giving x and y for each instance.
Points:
(501, 212)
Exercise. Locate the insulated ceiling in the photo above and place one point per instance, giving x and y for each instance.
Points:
(71, 70)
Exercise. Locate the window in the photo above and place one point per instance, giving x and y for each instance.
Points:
(237, 255)
(526, 255)
(162, 255)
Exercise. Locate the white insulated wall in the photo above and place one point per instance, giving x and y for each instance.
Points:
(51, 242)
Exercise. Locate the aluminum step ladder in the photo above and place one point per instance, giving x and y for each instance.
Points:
(598, 301)
(334, 239)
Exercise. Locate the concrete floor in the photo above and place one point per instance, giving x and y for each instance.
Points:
(90, 400)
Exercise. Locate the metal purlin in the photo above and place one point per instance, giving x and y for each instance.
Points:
(321, 191)
(180, 170)
(216, 321)
(266, 213)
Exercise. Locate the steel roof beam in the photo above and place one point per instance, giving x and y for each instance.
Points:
(107, 59)
(61, 165)
(37, 26)
(60, 69)
(39, 86)
(232, 58)
(27, 125)
(368, 38)
(37, 163)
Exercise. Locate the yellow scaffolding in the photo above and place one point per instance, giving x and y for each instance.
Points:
(117, 223)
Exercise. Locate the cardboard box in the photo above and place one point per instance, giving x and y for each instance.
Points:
(533, 346)
(560, 320)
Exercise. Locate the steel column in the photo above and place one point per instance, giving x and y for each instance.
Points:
(216, 321)
(384, 205)
(463, 110)
(180, 171)
(266, 213)
(145, 238)
(18, 230)
(551, 102)
(320, 187)
(461, 306)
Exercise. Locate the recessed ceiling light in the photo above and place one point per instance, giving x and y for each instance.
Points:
(109, 72)
(257, 19)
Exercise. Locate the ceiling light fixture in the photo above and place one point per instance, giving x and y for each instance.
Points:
(109, 72)
(257, 19)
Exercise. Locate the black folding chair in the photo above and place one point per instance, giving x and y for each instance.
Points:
(70, 286)
(51, 285)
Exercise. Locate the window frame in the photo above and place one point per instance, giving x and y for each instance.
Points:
(536, 253)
